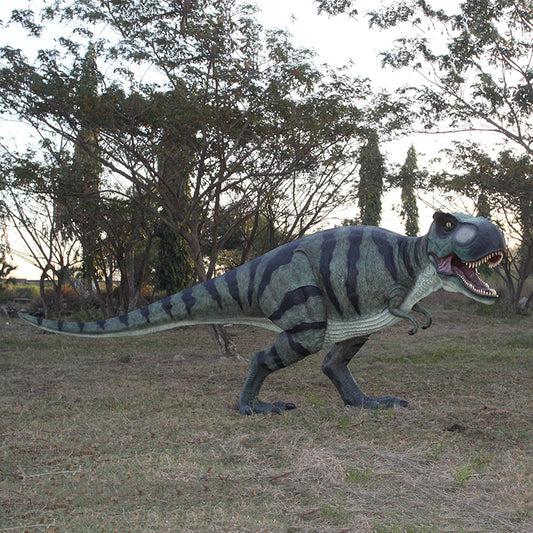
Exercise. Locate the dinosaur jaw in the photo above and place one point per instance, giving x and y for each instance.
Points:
(464, 275)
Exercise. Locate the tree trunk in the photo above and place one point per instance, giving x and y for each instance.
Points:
(225, 345)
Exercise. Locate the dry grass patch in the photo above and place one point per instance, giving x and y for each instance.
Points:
(118, 436)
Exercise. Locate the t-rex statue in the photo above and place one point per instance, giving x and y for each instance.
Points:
(336, 286)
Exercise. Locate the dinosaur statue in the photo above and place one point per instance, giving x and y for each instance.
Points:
(336, 287)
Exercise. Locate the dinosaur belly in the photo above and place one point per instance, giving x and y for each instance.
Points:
(340, 330)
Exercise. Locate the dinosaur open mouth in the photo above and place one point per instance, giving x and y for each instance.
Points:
(466, 271)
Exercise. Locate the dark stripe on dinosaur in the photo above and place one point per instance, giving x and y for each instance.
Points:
(101, 324)
(306, 326)
(276, 359)
(328, 247)
(166, 305)
(282, 257)
(385, 249)
(81, 326)
(211, 288)
(145, 312)
(419, 250)
(297, 347)
(125, 319)
(293, 298)
(406, 256)
(273, 356)
(188, 300)
(233, 286)
(352, 260)
(252, 269)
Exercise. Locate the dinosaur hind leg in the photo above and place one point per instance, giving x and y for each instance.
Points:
(335, 366)
(286, 350)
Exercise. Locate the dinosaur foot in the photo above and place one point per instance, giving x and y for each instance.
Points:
(264, 407)
(385, 402)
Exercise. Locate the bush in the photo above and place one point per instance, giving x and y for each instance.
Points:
(18, 290)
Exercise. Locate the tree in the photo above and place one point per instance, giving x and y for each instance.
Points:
(481, 79)
(83, 203)
(249, 116)
(174, 270)
(32, 211)
(124, 240)
(408, 178)
(371, 176)
(43, 204)
(5, 267)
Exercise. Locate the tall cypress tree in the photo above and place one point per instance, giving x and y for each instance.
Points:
(174, 269)
(371, 176)
(407, 179)
(78, 202)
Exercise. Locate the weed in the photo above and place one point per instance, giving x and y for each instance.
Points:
(434, 455)
(334, 513)
(522, 340)
(316, 401)
(124, 357)
(358, 474)
(463, 474)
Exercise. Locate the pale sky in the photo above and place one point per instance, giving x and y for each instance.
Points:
(337, 41)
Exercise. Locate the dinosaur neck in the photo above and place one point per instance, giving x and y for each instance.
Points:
(420, 252)
(413, 257)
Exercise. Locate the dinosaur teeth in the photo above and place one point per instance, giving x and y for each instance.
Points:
(485, 290)
(493, 259)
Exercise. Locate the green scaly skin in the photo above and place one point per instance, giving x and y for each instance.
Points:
(334, 287)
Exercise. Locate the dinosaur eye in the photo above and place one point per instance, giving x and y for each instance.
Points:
(449, 225)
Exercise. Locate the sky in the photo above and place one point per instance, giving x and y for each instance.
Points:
(338, 41)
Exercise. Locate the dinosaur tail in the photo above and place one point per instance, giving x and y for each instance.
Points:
(211, 302)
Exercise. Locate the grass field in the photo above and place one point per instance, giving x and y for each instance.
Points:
(100, 435)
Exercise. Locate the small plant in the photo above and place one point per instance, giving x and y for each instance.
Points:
(123, 357)
(463, 474)
(334, 512)
(434, 455)
(359, 475)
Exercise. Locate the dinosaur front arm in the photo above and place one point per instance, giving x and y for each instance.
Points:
(396, 299)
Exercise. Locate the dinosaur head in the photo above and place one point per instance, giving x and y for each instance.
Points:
(458, 244)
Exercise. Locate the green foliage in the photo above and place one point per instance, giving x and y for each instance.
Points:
(174, 269)
(5, 269)
(481, 77)
(371, 176)
(335, 7)
(408, 178)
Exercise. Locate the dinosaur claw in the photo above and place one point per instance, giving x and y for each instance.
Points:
(265, 408)
(285, 406)
(386, 402)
